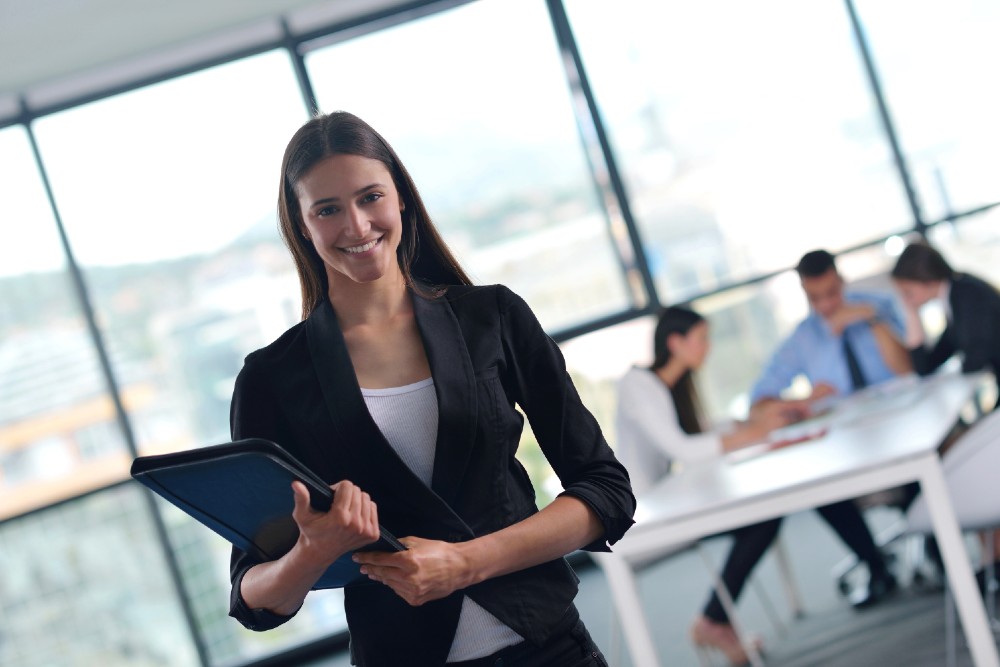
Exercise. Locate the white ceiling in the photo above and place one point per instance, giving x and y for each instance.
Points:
(54, 50)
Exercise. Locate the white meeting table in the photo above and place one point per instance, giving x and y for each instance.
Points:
(877, 440)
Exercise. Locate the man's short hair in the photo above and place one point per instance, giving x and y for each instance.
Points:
(814, 264)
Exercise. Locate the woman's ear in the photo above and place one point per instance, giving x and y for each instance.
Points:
(673, 340)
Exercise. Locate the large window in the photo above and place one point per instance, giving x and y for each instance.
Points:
(938, 68)
(484, 123)
(746, 133)
(53, 395)
(85, 583)
(168, 194)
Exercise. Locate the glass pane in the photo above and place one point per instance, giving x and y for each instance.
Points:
(743, 143)
(203, 559)
(59, 435)
(938, 70)
(168, 194)
(85, 583)
(971, 244)
(486, 128)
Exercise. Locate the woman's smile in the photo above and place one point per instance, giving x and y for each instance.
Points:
(364, 248)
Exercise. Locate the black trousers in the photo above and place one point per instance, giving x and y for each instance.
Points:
(750, 543)
(567, 648)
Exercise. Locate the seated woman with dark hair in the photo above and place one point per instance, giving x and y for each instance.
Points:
(660, 421)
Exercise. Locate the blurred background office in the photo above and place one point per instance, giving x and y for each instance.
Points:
(601, 159)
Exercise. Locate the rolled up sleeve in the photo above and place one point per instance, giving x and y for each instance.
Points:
(567, 432)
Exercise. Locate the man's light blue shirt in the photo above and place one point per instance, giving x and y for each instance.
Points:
(814, 351)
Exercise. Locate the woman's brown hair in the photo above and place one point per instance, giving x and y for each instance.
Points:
(678, 320)
(425, 260)
(922, 263)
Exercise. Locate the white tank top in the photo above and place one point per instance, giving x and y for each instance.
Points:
(408, 418)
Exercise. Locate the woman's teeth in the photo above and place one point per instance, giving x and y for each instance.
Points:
(361, 248)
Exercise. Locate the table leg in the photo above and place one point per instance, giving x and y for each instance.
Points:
(625, 595)
(957, 567)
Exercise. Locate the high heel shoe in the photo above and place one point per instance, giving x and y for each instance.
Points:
(707, 634)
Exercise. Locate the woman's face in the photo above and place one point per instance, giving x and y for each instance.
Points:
(351, 214)
(915, 293)
(691, 348)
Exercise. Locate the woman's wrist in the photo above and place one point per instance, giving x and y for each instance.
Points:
(472, 562)
(914, 334)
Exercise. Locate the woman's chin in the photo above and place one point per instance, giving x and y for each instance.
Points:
(362, 276)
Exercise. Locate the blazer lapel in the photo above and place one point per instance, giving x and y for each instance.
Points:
(455, 384)
(337, 380)
(375, 465)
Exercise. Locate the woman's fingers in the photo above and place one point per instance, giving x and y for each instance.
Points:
(302, 509)
(427, 571)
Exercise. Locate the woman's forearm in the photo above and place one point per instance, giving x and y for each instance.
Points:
(893, 351)
(745, 433)
(280, 586)
(564, 525)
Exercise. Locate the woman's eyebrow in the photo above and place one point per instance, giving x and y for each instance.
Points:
(331, 200)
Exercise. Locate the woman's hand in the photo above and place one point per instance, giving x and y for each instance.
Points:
(352, 522)
(766, 421)
(821, 390)
(914, 334)
(778, 413)
(427, 570)
(281, 585)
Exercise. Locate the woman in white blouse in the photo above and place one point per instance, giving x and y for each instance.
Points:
(660, 422)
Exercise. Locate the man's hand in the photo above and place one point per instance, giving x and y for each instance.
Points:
(848, 314)
(820, 391)
(780, 412)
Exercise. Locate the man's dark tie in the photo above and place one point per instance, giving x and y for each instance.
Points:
(857, 377)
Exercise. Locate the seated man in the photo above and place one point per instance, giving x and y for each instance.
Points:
(848, 341)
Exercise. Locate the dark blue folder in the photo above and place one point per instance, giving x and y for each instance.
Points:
(242, 491)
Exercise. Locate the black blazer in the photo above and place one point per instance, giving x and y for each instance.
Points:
(487, 352)
(973, 330)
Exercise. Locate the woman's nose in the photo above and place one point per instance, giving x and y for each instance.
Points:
(357, 222)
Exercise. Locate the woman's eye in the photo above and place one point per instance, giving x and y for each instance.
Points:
(372, 196)
(326, 210)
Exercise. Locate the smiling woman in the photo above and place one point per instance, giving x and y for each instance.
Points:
(351, 215)
(401, 388)
(343, 187)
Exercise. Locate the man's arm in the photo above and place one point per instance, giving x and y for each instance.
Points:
(781, 369)
(887, 327)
